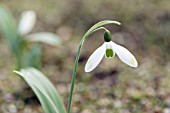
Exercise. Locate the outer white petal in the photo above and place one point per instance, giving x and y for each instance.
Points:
(95, 58)
(124, 55)
(27, 22)
(44, 37)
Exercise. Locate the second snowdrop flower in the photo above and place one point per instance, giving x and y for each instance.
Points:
(27, 22)
(109, 49)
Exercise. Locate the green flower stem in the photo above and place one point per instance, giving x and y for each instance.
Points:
(75, 68)
(94, 28)
(74, 75)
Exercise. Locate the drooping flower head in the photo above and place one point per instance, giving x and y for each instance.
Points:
(27, 22)
(109, 49)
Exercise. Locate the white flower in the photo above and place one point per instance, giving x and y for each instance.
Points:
(27, 22)
(109, 49)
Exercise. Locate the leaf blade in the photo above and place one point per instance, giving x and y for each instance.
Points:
(43, 88)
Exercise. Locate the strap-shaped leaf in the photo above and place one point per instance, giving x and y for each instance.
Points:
(8, 26)
(11, 35)
(44, 89)
(34, 57)
(44, 37)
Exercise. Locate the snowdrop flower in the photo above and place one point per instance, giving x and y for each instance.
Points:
(27, 22)
(109, 49)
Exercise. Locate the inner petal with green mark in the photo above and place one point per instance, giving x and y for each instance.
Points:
(109, 53)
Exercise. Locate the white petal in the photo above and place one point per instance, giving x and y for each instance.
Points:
(44, 37)
(124, 55)
(27, 22)
(95, 58)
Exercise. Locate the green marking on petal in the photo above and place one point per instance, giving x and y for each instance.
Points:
(133, 61)
(109, 53)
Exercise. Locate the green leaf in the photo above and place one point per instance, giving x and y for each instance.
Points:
(34, 56)
(8, 26)
(15, 42)
(44, 89)
(44, 37)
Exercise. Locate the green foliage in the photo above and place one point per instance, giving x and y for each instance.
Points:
(19, 46)
(44, 90)
(34, 57)
(15, 42)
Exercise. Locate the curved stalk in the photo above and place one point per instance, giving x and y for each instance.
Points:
(94, 28)
(74, 75)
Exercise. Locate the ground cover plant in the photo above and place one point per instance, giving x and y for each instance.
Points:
(19, 39)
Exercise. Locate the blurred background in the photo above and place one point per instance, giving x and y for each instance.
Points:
(112, 86)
